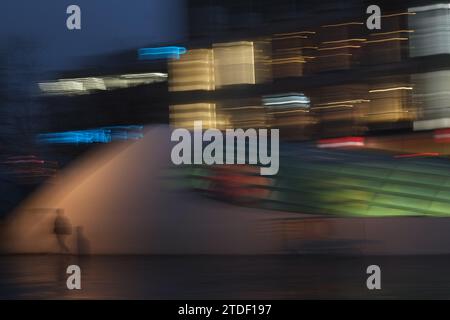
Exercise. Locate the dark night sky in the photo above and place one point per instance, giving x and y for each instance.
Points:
(107, 25)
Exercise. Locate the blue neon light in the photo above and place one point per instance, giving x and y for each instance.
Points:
(161, 53)
(100, 135)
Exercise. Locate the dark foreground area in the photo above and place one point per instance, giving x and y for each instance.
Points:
(224, 277)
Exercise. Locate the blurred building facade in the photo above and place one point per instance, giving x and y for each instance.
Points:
(313, 70)
(356, 81)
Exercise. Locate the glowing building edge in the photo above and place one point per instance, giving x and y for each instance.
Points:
(91, 84)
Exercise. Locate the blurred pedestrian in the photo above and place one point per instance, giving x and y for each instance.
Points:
(83, 245)
(62, 229)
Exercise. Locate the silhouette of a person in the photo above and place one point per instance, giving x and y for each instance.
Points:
(83, 244)
(62, 229)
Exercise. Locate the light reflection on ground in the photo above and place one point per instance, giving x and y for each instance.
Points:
(223, 277)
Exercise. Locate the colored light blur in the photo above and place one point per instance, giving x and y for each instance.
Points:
(235, 63)
(348, 183)
(418, 155)
(442, 136)
(341, 142)
(288, 100)
(336, 84)
(75, 86)
(101, 135)
(171, 52)
(193, 71)
(30, 169)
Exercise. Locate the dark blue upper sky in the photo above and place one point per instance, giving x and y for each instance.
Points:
(107, 25)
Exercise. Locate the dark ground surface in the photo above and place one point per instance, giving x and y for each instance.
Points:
(224, 277)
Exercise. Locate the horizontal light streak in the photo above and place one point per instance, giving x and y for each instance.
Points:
(390, 89)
